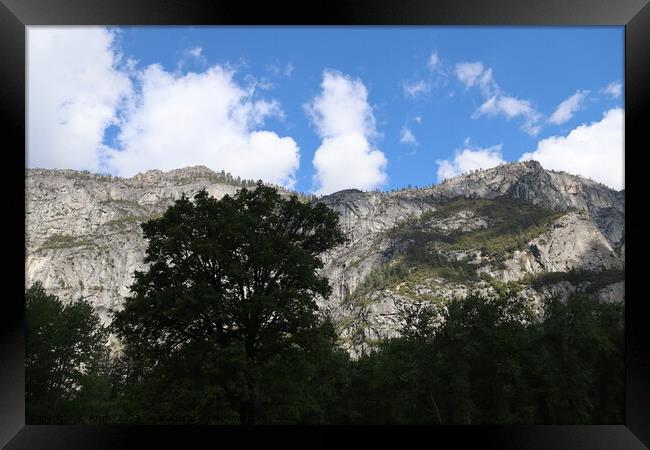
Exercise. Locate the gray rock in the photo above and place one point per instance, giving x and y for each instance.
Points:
(83, 235)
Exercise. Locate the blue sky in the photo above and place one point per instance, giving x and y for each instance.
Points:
(379, 107)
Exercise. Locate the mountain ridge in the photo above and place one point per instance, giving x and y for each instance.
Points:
(506, 224)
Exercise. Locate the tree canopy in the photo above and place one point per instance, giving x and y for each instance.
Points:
(235, 280)
(65, 355)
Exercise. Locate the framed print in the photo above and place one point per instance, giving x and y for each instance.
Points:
(356, 217)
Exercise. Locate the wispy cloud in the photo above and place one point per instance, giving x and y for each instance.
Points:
(279, 69)
(415, 88)
(423, 83)
(568, 108)
(433, 61)
(511, 107)
(407, 136)
(196, 51)
(613, 89)
(469, 73)
(474, 74)
(192, 56)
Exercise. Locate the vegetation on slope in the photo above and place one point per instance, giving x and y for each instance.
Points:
(57, 241)
(511, 223)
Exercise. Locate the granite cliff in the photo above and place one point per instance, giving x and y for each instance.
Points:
(517, 226)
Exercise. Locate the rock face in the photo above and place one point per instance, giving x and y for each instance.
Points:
(83, 238)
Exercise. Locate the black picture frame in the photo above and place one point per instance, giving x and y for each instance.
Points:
(15, 15)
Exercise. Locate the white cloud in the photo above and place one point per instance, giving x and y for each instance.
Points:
(511, 107)
(470, 158)
(407, 137)
(568, 108)
(436, 77)
(345, 122)
(613, 89)
(595, 150)
(468, 73)
(277, 69)
(496, 103)
(202, 119)
(190, 57)
(196, 52)
(488, 84)
(74, 90)
(414, 88)
(433, 60)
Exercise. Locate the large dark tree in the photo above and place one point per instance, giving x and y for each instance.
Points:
(230, 293)
(65, 358)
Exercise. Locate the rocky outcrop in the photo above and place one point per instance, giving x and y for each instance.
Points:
(556, 190)
(83, 236)
(572, 242)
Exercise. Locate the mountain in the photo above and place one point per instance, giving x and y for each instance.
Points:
(515, 226)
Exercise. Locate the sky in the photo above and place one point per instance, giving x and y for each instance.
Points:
(320, 109)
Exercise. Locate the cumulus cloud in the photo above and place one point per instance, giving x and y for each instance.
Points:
(74, 90)
(407, 137)
(613, 89)
(595, 150)
(79, 86)
(202, 119)
(414, 88)
(469, 158)
(568, 108)
(497, 103)
(344, 120)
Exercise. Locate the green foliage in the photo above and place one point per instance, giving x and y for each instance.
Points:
(65, 358)
(491, 362)
(233, 281)
(57, 241)
(582, 343)
(596, 279)
(378, 279)
(512, 223)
